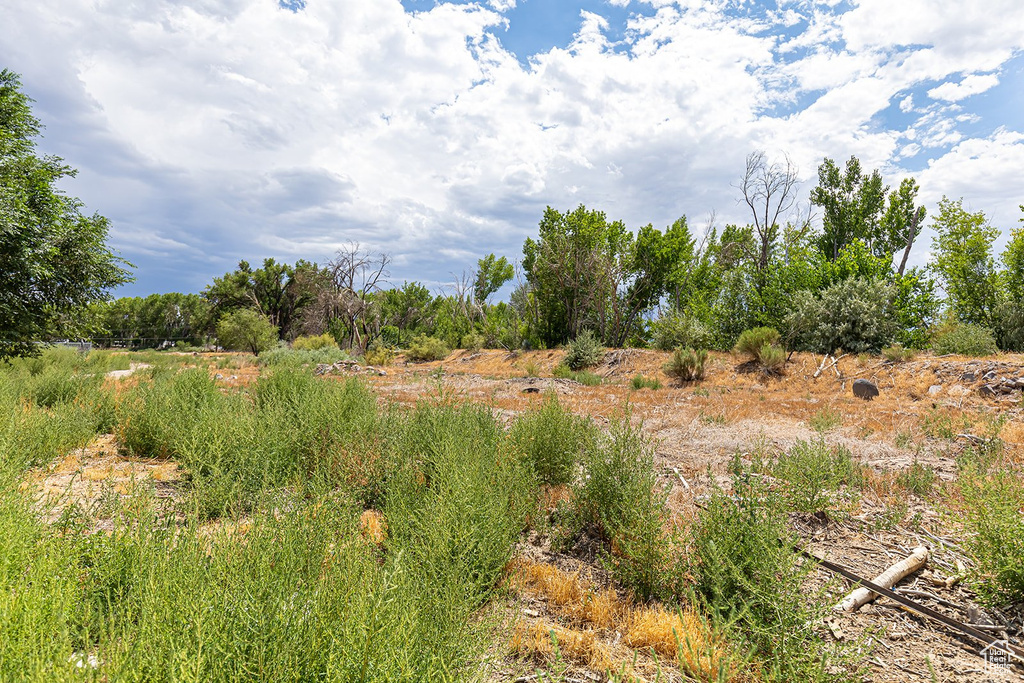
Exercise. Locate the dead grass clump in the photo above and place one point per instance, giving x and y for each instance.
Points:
(373, 527)
(549, 642)
(683, 637)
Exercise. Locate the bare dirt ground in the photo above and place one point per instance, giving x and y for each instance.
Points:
(927, 411)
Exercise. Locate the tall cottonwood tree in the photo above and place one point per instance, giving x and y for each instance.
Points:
(54, 258)
(584, 272)
(964, 263)
(852, 203)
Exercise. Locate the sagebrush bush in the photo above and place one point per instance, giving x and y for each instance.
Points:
(585, 351)
(553, 440)
(676, 330)
(854, 314)
(312, 343)
(424, 348)
(687, 365)
(752, 341)
(964, 340)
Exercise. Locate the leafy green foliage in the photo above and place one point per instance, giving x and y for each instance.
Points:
(585, 272)
(554, 441)
(746, 574)
(55, 258)
(852, 204)
(246, 330)
(964, 340)
(852, 314)
(424, 348)
(584, 377)
(473, 342)
(314, 342)
(898, 354)
(585, 351)
(992, 504)
(491, 275)
(676, 330)
(963, 262)
(640, 382)
(687, 365)
(813, 474)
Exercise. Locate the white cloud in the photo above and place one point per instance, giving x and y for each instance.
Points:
(971, 85)
(233, 128)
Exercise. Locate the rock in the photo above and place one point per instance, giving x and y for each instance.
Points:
(989, 376)
(987, 391)
(323, 369)
(382, 373)
(531, 390)
(967, 377)
(935, 390)
(864, 389)
(218, 376)
(958, 390)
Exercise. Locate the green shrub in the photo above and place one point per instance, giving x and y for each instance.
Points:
(812, 476)
(585, 351)
(854, 314)
(424, 348)
(584, 377)
(678, 330)
(753, 341)
(825, 420)
(553, 440)
(313, 343)
(995, 533)
(964, 340)
(897, 354)
(918, 479)
(640, 382)
(746, 574)
(473, 342)
(687, 365)
(771, 359)
(283, 357)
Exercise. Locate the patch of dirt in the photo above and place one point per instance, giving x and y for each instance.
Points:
(98, 479)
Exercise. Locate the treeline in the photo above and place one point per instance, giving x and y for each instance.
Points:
(843, 285)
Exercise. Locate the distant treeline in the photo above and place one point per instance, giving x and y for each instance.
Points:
(844, 285)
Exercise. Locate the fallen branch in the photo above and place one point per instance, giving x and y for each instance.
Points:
(887, 579)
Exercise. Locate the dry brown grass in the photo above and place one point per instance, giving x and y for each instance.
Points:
(683, 637)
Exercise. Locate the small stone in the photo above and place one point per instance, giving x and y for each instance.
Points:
(935, 390)
(987, 391)
(218, 376)
(989, 376)
(864, 389)
(531, 390)
(382, 373)
(968, 377)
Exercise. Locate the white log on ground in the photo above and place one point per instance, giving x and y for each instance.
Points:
(887, 579)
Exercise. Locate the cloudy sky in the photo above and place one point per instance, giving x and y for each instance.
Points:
(210, 131)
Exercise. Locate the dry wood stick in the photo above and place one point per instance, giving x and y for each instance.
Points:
(887, 579)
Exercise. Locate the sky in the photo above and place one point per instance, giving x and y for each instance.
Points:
(211, 131)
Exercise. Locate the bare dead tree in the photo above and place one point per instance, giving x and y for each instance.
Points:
(354, 275)
(769, 189)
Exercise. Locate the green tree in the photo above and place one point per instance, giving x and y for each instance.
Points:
(246, 330)
(585, 272)
(276, 290)
(54, 259)
(963, 262)
(903, 220)
(1013, 259)
(491, 275)
(852, 203)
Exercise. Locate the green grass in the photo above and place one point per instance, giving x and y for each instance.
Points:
(584, 377)
(825, 420)
(815, 477)
(641, 382)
